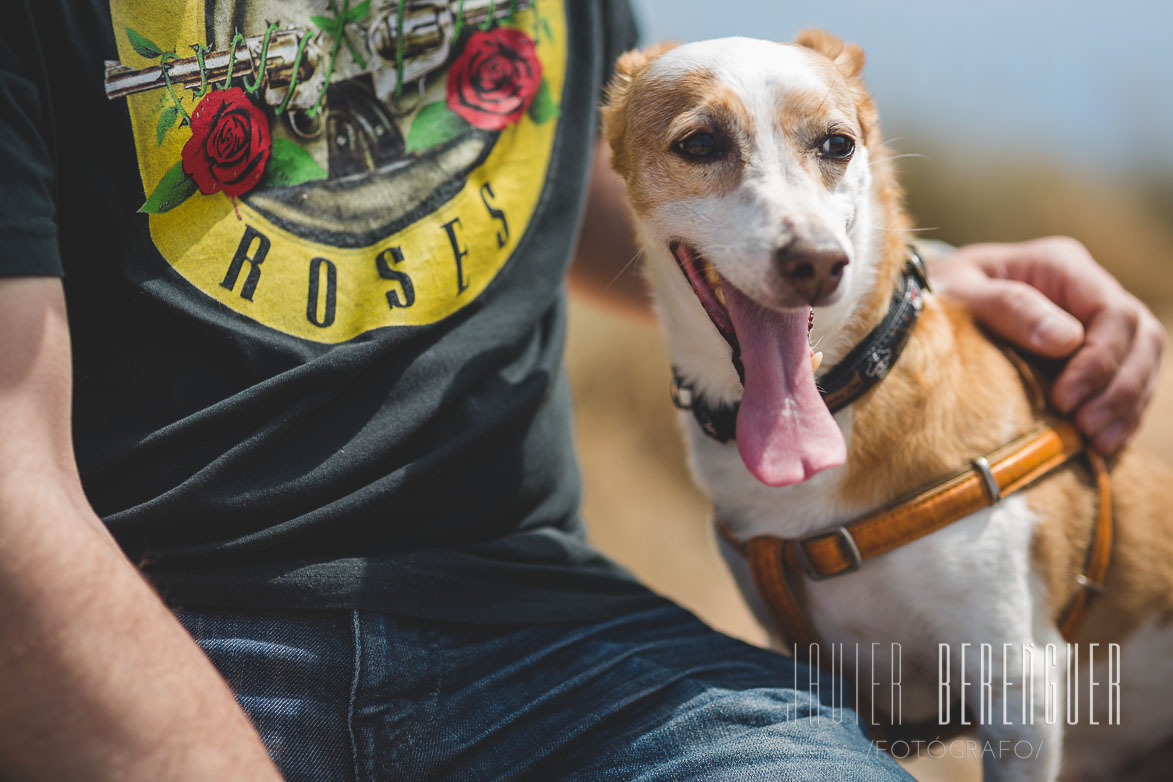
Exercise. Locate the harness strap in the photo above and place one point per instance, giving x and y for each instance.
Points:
(774, 561)
(1011, 468)
(1095, 571)
(772, 576)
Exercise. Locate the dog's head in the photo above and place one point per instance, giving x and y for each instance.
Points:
(747, 161)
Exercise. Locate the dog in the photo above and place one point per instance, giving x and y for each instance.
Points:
(764, 197)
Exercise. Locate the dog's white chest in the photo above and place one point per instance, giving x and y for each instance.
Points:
(969, 583)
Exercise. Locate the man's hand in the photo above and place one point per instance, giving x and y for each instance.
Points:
(1050, 297)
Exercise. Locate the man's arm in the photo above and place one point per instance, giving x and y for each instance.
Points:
(1047, 296)
(97, 679)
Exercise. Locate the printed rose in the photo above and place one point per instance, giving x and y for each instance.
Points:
(229, 143)
(495, 78)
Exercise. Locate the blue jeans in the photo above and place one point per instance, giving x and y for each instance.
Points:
(652, 696)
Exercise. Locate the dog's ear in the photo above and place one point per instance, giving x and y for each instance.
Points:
(629, 66)
(847, 56)
(849, 59)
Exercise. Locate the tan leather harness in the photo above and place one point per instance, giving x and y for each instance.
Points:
(775, 562)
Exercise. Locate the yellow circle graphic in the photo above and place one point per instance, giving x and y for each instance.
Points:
(328, 260)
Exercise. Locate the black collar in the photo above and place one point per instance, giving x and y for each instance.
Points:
(859, 371)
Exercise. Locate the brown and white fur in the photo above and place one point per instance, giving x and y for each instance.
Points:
(1000, 576)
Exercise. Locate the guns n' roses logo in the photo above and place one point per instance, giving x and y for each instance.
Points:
(326, 167)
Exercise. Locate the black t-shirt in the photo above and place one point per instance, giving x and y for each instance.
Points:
(313, 256)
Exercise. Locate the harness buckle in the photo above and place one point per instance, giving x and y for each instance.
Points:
(981, 466)
(1088, 584)
(849, 545)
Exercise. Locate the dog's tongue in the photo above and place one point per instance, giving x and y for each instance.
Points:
(785, 433)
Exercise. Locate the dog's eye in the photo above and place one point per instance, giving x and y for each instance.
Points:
(837, 147)
(699, 146)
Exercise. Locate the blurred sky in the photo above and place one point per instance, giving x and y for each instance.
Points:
(1087, 84)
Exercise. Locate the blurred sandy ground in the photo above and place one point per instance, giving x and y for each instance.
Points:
(640, 504)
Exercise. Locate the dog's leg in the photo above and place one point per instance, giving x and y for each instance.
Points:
(1015, 693)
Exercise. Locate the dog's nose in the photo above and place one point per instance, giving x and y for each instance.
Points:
(813, 270)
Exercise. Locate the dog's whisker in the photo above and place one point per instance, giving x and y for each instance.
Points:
(621, 272)
(898, 157)
(830, 92)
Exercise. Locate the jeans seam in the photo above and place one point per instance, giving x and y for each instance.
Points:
(357, 624)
